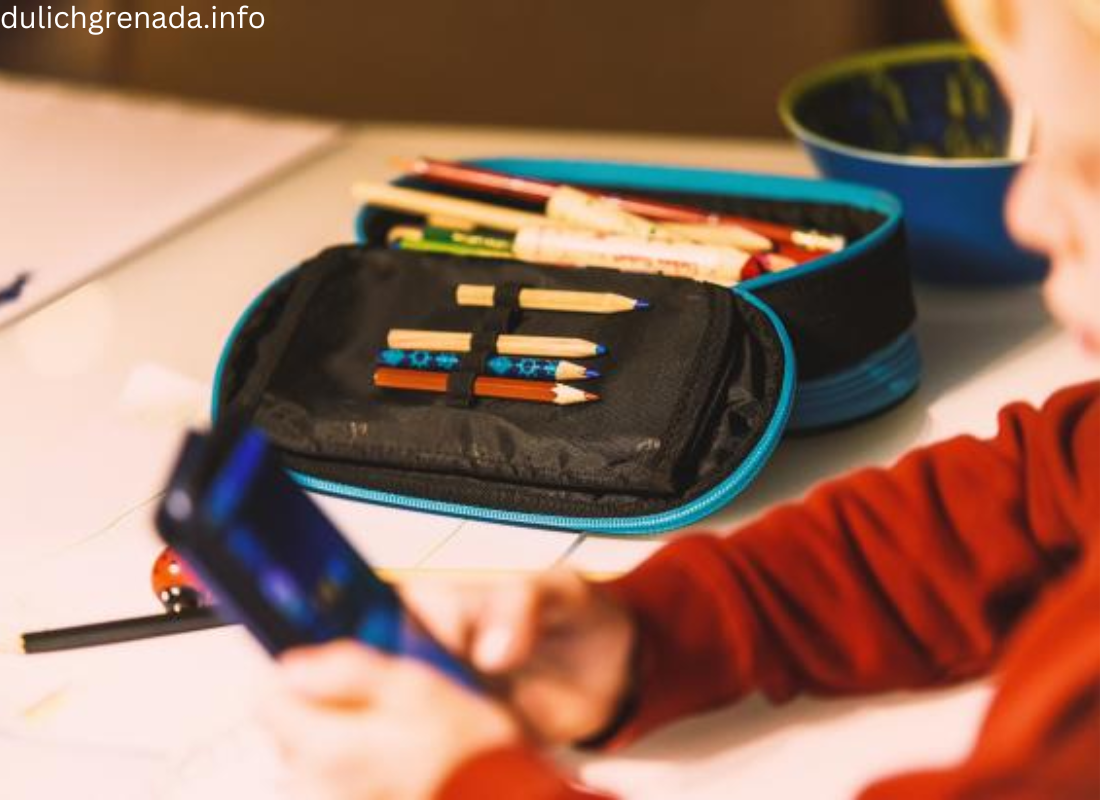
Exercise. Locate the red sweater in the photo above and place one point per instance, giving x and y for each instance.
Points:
(964, 557)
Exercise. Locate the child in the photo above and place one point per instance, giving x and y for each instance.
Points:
(965, 557)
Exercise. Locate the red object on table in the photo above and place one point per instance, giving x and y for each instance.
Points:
(175, 585)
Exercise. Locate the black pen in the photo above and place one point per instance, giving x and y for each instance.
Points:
(120, 630)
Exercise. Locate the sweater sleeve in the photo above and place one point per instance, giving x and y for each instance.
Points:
(513, 773)
(884, 579)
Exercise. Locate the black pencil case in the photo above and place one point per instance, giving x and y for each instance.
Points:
(696, 392)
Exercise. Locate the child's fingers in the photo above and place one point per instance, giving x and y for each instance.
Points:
(516, 616)
(340, 673)
(564, 597)
(508, 629)
(449, 610)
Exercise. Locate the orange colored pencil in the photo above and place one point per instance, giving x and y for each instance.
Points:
(502, 388)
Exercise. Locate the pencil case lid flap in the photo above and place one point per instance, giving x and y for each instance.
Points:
(694, 395)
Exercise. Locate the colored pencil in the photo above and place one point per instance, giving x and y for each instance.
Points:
(724, 266)
(587, 213)
(431, 204)
(448, 241)
(483, 295)
(502, 388)
(570, 207)
(120, 630)
(463, 176)
(409, 237)
(498, 243)
(556, 247)
(509, 345)
(417, 245)
(501, 366)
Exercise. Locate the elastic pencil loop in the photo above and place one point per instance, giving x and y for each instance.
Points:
(476, 361)
(460, 388)
(484, 339)
(506, 295)
(499, 320)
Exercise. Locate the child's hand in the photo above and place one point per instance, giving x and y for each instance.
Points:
(353, 723)
(560, 647)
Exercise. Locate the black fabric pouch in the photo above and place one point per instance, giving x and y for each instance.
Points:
(687, 386)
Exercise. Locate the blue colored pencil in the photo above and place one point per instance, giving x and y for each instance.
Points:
(522, 367)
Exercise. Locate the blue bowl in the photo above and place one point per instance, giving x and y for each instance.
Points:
(928, 123)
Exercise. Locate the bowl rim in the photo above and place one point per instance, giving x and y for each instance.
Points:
(833, 71)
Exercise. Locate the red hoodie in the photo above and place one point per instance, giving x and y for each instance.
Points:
(965, 557)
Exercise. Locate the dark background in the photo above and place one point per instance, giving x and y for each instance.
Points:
(694, 66)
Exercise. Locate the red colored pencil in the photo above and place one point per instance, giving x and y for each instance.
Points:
(503, 388)
(788, 240)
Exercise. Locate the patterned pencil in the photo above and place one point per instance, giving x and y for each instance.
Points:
(506, 344)
(546, 369)
(503, 388)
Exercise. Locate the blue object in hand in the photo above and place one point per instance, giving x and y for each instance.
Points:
(13, 291)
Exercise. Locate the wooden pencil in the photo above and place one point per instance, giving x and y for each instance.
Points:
(524, 367)
(509, 345)
(502, 388)
(499, 243)
(556, 247)
(757, 231)
(484, 295)
(437, 206)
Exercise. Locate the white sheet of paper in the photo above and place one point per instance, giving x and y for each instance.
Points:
(91, 177)
(142, 433)
(37, 770)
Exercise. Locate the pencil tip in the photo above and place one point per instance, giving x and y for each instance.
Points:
(601, 350)
(641, 305)
(589, 397)
(403, 164)
(592, 374)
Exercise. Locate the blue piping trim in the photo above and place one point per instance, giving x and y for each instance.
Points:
(878, 382)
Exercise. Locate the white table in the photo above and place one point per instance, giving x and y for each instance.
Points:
(98, 386)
